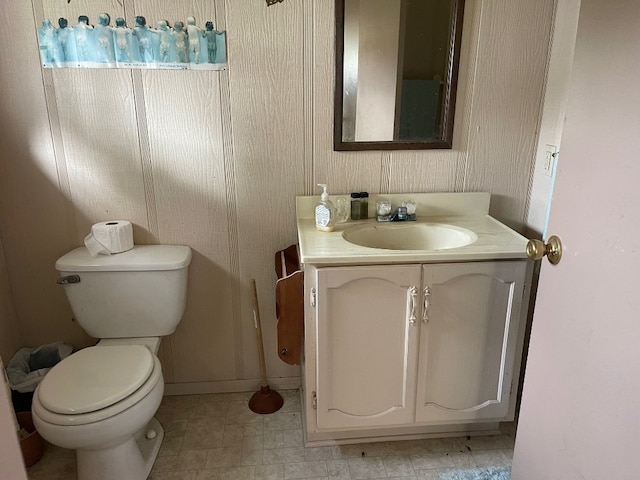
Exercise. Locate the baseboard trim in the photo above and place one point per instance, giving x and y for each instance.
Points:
(230, 386)
(413, 432)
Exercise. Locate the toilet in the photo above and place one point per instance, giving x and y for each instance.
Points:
(100, 401)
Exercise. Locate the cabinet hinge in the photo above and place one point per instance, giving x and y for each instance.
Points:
(314, 401)
(312, 297)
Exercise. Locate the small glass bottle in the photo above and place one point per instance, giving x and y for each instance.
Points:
(364, 205)
(356, 206)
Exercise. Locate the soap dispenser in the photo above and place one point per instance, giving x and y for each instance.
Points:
(325, 211)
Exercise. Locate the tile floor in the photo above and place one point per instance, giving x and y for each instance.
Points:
(217, 437)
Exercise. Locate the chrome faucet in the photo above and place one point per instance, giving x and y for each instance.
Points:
(402, 215)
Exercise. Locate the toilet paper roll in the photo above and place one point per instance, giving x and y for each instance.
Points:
(110, 237)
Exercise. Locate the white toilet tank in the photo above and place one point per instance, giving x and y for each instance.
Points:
(138, 293)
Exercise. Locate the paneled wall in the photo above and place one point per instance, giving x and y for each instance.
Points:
(214, 159)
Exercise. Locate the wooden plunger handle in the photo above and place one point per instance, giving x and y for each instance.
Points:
(256, 318)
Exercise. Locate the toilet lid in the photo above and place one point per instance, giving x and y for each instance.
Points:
(95, 378)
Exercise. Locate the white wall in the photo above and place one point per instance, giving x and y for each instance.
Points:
(9, 339)
(214, 160)
(554, 108)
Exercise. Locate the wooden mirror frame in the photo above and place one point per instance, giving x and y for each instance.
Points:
(449, 97)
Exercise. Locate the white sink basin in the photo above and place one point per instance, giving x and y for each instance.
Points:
(410, 236)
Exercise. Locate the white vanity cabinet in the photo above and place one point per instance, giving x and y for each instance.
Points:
(409, 349)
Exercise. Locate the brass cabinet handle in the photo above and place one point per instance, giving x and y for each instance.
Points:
(536, 249)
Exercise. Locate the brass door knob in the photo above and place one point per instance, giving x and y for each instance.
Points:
(536, 249)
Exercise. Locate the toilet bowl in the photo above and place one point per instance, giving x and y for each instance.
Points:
(100, 402)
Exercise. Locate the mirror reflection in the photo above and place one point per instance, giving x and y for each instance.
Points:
(396, 68)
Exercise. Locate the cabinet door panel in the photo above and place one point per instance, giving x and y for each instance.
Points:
(467, 346)
(366, 346)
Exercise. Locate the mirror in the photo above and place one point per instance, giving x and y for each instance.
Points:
(396, 73)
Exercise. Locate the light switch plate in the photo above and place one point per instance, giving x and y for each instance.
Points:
(550, 153)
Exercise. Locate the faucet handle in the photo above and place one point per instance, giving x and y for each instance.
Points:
(383, 207)
(411, 206)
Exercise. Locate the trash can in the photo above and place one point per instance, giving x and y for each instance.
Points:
(31, 442)
(27, 368)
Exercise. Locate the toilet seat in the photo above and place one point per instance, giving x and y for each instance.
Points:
(95, 378)
(96, 383)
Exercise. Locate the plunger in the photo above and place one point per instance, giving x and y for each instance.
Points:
(265, 400)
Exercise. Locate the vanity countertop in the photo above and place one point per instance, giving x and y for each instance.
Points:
(495, 240)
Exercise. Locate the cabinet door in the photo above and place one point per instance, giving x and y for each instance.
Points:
(468, 340)
(366, 345)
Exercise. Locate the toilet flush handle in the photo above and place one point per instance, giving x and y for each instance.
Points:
(66, 280)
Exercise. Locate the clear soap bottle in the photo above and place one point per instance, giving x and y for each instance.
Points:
(325, 211)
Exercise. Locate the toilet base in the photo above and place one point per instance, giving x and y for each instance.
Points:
(131, 460)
